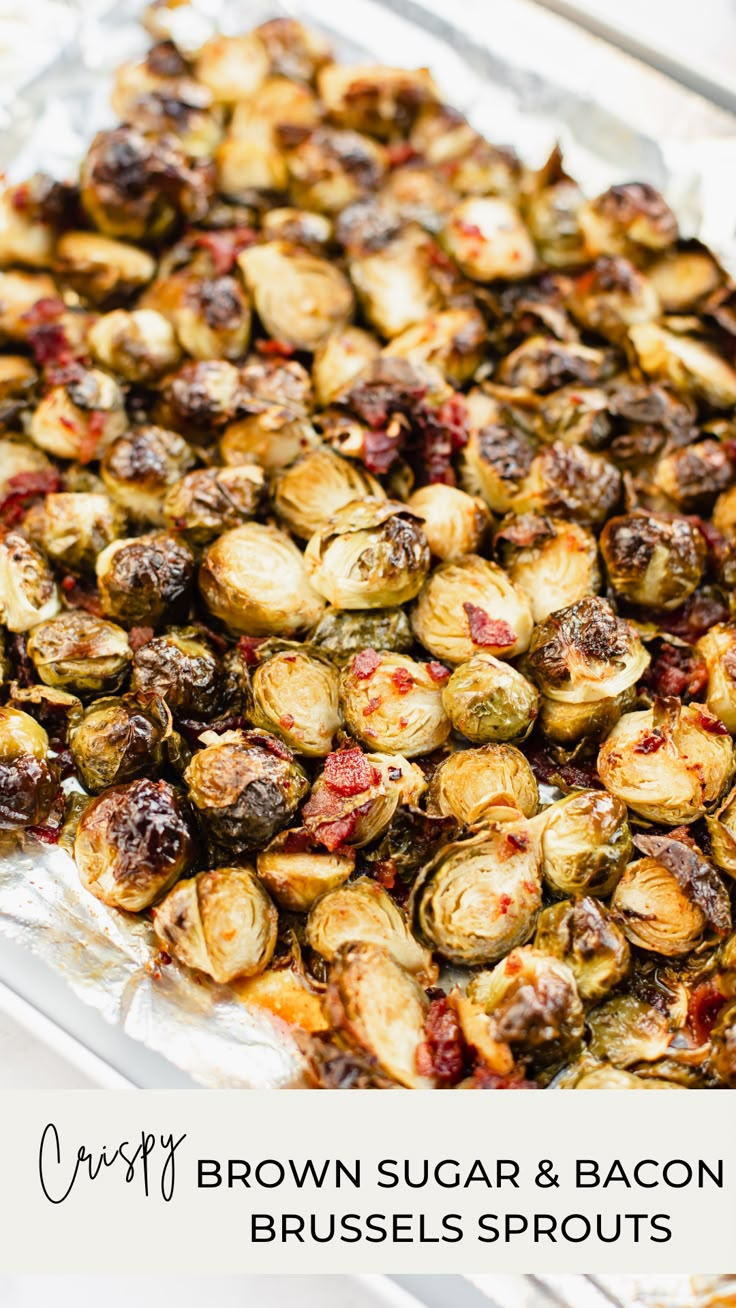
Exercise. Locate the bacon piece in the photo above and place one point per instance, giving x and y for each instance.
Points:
(443, 1054)
(437, 671)
(485, 630)
(349, 772)
(649, 744)
(402, 681)
(365, 663)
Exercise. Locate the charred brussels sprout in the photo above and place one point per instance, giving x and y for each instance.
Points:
(182, 668)
(363, 912)
(77, 420)
(487, 238)
(245, 787)
(453, 341)
(692, 368)
(652, 560)
(339, 361)
(627, 1032)
(28, 592)
(453, 522)
(723, 1046)
(117, 740)
(143, 579)
(140, 345)
(74, 527)
(372, 553)
(28, 783)
(668, 763)
(585, 935)
(100, 268)
(718, 648)
(210, 501)
(220, 922)
(306, 494)
(479, 897)
(79, 652)
(135, 186)
(374, 1004)
(631, 218)
(474, 784)
(300, 298)
(295, 694)
(554, 562)
(656, 911)
(534, 1002)
(139, 467)
(133, 842)
(342, 633)
(489, 701)
(586, 843)
(468, 606)
(254, 579)
(296, 871)
(393, 703)
(353, 799)
(722, 832)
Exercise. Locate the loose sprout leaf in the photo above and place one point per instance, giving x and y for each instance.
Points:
(694, 874)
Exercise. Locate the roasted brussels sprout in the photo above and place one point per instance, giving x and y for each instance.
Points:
(200, 396)
(375, 99)
(722, 833)
(471, 605)
(74, 527)
(372, 553)
(554, 562)
(210, 316)
(310, 491)
(393, 703)
(139, 467)
(683, 276)
(668, 763)
(133, 842)
(330, 169)
(480, 896)
(80, 652)
(723, 1045)
(489, 701)
(718, 648)
(627, 1032)
(395, 281)
(453, 522)
(100, 268)
(612, 296)
(232, 67)
(533, 998)
(28, 592)
(136, 186)
(205, 503)
(182, 668)
(245, 787)
(655, 910)
(473, 785)
(140, 345)
(300, 298)
(586, 843)
(355, 797)
(341, 633)
(254, 579)
(79, 419)
(686, 363)
(295, 695)
(296, 871)
(631, 218)
(143, 579)
(340, 360)
(116, 740)
(692, 478)
(362, 911)
(375, 1004)
(28, 782)
(487, 238)
(221, 922)
(586, 936)
(454, 341)
(652, 560)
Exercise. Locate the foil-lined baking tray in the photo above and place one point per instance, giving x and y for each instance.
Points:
(642, 1291)
(525, 78)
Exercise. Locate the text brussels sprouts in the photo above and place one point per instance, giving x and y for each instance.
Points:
(79, 419)
(339, 361)
(652, 560)
(139, 344)
(371, 554)
(295, 694)
(479, 897)
(306, 494)
(182, 668)
(353, 799)
(254, 579)
(140, 466)
(296, 870)
(487, 238)
(117, 740)
(377, 1006)
(28, 783)
(99, 268)
(586, 843)
(718, 648)
(80, 652)
(28, 592)
(74, 527)
(143, 579)
(133, 842)
(300, 298)
(553, 561)
(454, 341)
(363, 911)
(473, 784)
(205, 503)
(342, 633)
(656, 912)
(221, 922)
(631, 218)
(487, 700)
(533, 998)
(468, 606)
(691, 367)
(453, 522)
(668, 763)
(585, 935)
(245, 787)
(393, 703)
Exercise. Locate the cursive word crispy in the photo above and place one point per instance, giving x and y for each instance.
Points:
(150, 1156)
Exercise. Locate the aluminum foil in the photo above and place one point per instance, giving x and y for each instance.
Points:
(646, 1291)
(524, 77)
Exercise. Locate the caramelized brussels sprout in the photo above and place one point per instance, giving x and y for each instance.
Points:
(21, 735)
(687, 364)
(140, 344)
(479, 897)
(310, 491)
(684, 276)
(100, 268)
(19, 458)
(489, 701)
(232, 67)
(353, 799)
(133, 842)
(474, 784)
(254, 579)
(300, 298)
(136, 186)
(362, 911)
(300, 227)
(668, 763)
(569, 481)
(28, 782)
(245, 787)
(140, 466)
(723, 1046)
(454, 341)
(200, 396)
(78, 420)
(393, 703)
(718, 648)
(626, 1032)
(19, 293)
(691, 478)
(273, 437)
(453, 522)
(295, 695)
(375, 99)
(652, 560)
(341, 633)
(655, 910)
(395, 281)
(296, 871)
(74, 527)
(28, 592)
(533, 998)
(586, 936)
(628, 219)
(23, 240)
(487, 238)
(209, 501)
(143, 579)
(372, 553)
(80, 652)
(586, 843)
(220, 922)
(554, 562)
(116, 740)
(330, 169)
(722, 832)
(471, 605)
(182, 668)
(611, 297)
(543, 364)
(340, 360)
(378, 1007)
(211, 316)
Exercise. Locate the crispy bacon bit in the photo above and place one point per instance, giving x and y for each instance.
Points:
(25, 486)
(402, 681)
(485, 630)
(650, 743)
(710, 723)
(517, 840)
(89, 444)
(385, 872)
(504, 904)
(224, 247)
(349, 772)
(400, 153)
(140, 636)
(279, 349)
(82, 595)
(334, 834)
(372, 705)
(46, 834)
(380, 448)
(365, 663)
(437, 671)
(696, 616)
(443, 1054)
(286, 721)
(248, 647)
(677, 670)
(581, 775)
(706, 1002)
(164, 958)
